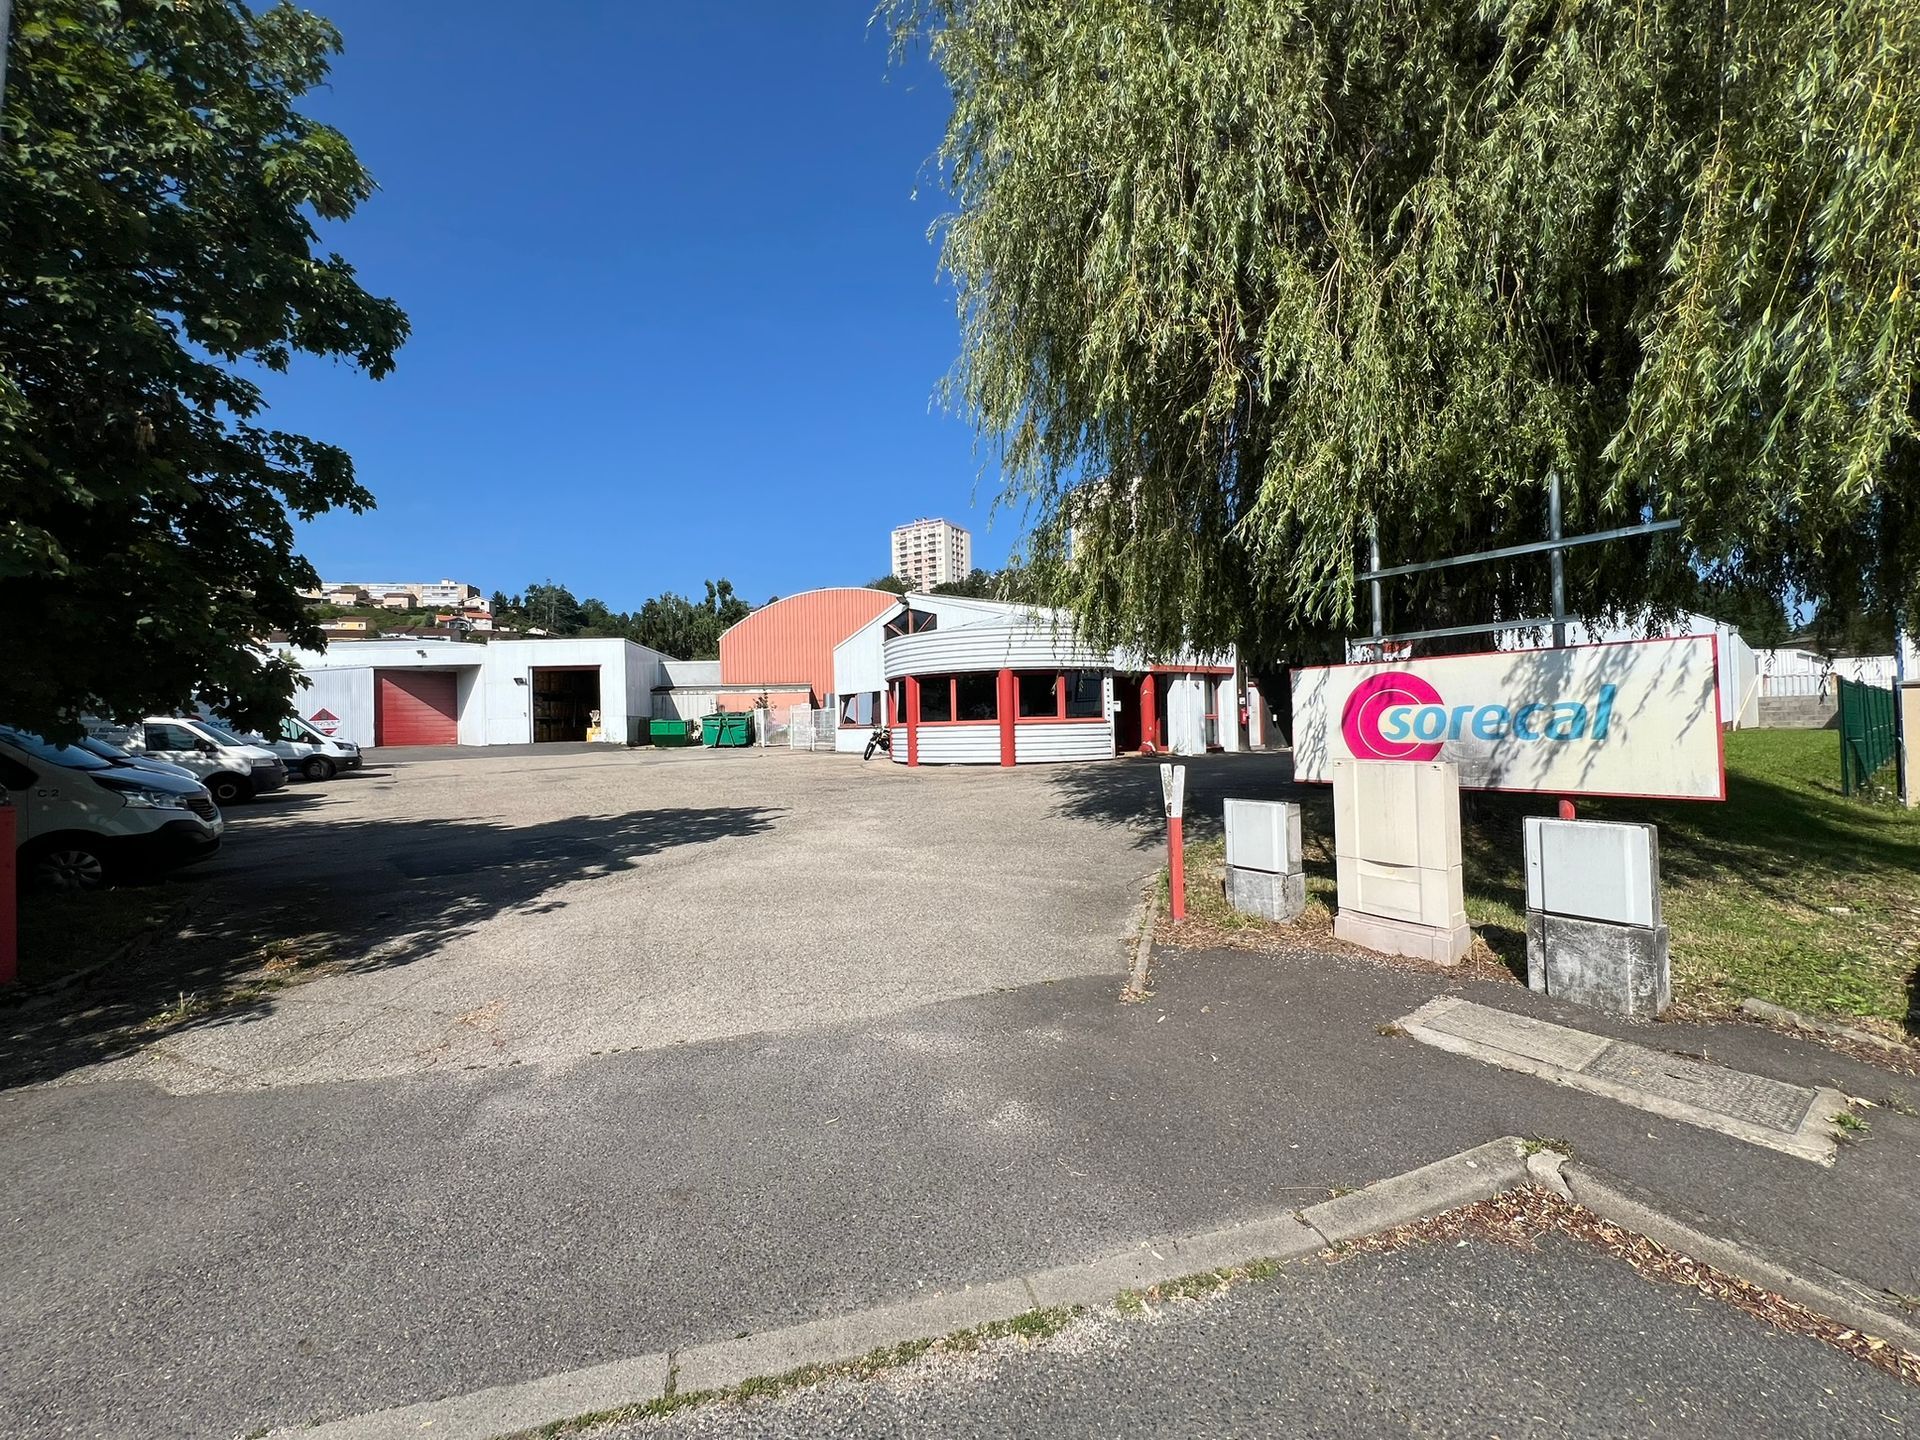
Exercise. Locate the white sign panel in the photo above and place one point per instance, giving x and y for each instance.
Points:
(1173, 789)
(1639, 718)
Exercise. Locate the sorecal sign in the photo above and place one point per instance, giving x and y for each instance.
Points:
(1637, 718)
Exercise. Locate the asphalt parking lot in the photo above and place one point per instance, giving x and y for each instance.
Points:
(540, 905)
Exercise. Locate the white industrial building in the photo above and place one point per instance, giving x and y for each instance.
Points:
(505, 692)
(978, 682)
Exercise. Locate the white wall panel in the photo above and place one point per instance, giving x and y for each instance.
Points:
(955, 744)
(988, 647)
(1036, 744)
(348, 694)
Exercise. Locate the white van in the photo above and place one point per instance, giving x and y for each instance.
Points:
(305, 749)
(227, 765)
(81, 820)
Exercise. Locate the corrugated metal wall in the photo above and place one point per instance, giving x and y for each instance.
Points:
(791, 641)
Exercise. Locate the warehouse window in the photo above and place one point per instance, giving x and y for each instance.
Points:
(977, 696)
(1086, 694)
(1062, 694)
(1039, 695)
(936, 699)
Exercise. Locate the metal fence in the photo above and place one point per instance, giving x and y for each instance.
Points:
(812, 729)
(1866, 733)
(1793, 684)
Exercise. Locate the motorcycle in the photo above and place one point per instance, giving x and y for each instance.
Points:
(881, 739)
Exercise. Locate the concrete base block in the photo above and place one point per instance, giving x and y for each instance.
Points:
(1271, 897)
(1440, 945)
(1618, 968)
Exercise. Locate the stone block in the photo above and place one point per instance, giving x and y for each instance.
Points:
(1271, 897)
(1439, 944)
(1618, 968)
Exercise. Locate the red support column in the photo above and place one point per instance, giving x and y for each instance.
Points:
(9, 909)
(1009, 705)
(1149, 711)
(913, 720)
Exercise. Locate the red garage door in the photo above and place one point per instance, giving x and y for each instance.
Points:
(413, 707)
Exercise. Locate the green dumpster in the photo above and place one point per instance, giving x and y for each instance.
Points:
(674, 732)
(724, 729)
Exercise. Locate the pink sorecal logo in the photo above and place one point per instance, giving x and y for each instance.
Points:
(1371, 699)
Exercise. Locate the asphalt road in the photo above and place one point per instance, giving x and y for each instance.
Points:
(489, 910)
(208, 1264)
(820, 1120)
(1474, 1340)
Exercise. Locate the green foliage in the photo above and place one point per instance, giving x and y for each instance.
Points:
(893, 584)
(670, 623)
(159, 197)
(1240, 280)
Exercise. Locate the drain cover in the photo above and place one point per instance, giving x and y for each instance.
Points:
(1753, 1098)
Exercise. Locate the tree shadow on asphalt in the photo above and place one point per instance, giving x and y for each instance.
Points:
(293, 896)
(1125, 792)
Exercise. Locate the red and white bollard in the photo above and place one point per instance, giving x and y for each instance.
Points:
(1173, 786)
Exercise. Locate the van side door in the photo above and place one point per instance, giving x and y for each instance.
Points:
(179, 745)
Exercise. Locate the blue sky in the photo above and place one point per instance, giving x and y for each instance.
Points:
(675, 310)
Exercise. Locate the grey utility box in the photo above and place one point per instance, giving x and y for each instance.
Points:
(1264, 874)
(1594, 933)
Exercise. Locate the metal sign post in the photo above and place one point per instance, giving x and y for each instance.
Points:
(1173, 794)
(1554, 547)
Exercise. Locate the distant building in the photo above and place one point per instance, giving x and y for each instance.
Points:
(932, 552)
(397, 600)
(427, 594)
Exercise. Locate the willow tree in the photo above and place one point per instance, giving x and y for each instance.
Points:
(1241, 280)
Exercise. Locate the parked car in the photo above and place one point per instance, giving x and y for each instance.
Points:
(227, 765)
(82, 821)
(93, 745)
(305, 749)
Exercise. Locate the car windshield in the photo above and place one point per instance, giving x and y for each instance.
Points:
(72, 757)
(94, 745)
(225, 737)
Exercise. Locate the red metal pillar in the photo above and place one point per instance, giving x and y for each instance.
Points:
(1149, 711)
(9, 898)
(1009, 704)
(913, 720)
(1177, 866)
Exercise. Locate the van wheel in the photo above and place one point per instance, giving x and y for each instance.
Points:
(317, 767)
(69, 864)
(229, 789)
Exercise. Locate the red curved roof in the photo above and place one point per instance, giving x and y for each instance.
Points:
(792, 639)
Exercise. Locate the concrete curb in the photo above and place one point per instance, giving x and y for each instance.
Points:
(1476, 1174)
(1817, 1139)
(1821, 1290)
(1472, 1175)
(1463, 1179)
(1146, 919)
(1772, 1014)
